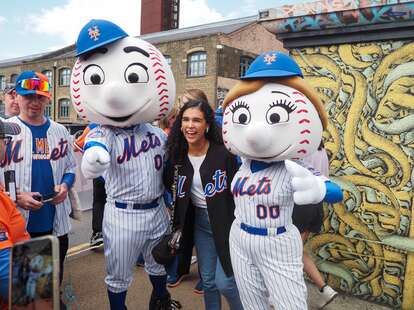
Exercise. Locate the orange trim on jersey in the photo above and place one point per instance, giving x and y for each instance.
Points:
(80, 141)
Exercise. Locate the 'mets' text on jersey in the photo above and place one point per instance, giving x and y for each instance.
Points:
(137, 156)
(264, 198)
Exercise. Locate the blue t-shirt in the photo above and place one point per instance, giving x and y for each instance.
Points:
(41, 220)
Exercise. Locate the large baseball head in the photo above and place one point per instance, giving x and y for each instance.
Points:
(119, 80)
(273, 114)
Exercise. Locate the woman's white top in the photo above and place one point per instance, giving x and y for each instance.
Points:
(197, 192)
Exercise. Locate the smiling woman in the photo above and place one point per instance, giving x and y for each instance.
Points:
(204, 205)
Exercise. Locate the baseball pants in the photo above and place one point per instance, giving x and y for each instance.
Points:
(127, 233)
(268, 269)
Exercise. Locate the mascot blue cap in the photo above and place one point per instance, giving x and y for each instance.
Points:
(272, 65)
(96, 33)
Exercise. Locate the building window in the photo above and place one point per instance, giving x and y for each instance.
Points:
(49, 75)
(64, 108)
(13, 78)
(196, 64)
(168, 58)
(2, 82)
(64, 77)
(2, 109)
(245, 62)
(48, 110)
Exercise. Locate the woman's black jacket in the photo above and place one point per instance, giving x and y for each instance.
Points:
(218, 169)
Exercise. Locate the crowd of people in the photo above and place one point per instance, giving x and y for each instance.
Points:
(248, 243)
(194, 141)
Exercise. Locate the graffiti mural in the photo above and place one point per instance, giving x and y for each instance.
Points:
(366, 246)
(327, 6)
(221, 93)
(340, 14)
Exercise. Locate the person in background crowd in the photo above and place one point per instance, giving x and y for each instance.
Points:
(46, 165)
(12, 224)
(99, 194)
(204, 208)
(191, 94)
(167, 122)
(11, 107)
(308, 219)
(219, 116)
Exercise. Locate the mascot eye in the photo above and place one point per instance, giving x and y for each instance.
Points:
(93, 75)
(279, 112)
(241, 113)
(136, 73)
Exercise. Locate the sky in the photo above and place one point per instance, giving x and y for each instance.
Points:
(31, 27)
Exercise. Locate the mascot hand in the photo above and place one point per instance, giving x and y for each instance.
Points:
(94, 162)
(307, 188)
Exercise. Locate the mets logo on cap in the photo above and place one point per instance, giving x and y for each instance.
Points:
(272, 64)
(97, 33)
(94, 33)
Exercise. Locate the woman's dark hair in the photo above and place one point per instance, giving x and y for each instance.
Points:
(177, 146)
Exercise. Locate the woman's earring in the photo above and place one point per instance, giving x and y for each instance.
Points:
(207, 129)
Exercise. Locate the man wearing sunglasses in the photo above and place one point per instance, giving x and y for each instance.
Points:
(43, 162)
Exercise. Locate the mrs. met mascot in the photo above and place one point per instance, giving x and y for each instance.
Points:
(270, 118)
(122, 83)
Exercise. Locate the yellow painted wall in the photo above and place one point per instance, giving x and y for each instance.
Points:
(366, 246)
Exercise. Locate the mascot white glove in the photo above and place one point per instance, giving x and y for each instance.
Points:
(95, 161)
(307, 188)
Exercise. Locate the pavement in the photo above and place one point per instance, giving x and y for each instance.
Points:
(84, 286)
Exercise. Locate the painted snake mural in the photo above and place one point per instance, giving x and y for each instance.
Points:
(366, 246)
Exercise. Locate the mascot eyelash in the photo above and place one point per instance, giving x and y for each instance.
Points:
(238, 105)
(288, 106)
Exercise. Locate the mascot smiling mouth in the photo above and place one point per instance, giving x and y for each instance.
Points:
(120, 119)
(277, 155)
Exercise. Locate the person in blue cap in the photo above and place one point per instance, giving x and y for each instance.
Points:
(272, 119)
(44, 165)
(123, 84)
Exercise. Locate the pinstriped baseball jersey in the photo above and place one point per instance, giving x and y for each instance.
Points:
(273, 262)
(263, 198)
(137, 154)
(62, 160)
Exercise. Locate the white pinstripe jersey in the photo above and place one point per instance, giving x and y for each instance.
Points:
(59, 143)
(137, 160)
(264, 198)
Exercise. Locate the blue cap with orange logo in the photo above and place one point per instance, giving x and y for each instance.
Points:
(272, 64)
(97, 33)
(30, 82)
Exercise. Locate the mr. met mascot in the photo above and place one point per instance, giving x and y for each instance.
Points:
(122, 84)
(270, 118)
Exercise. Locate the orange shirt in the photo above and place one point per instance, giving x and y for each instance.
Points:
(79, 143)
(12, 223)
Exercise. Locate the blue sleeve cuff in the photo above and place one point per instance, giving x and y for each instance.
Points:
(168, 199)
(333, 192)
(94, 143)
(68, 179)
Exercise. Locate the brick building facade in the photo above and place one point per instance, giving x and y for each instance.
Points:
(210, 57)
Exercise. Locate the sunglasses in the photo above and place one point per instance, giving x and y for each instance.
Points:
(35, 84)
